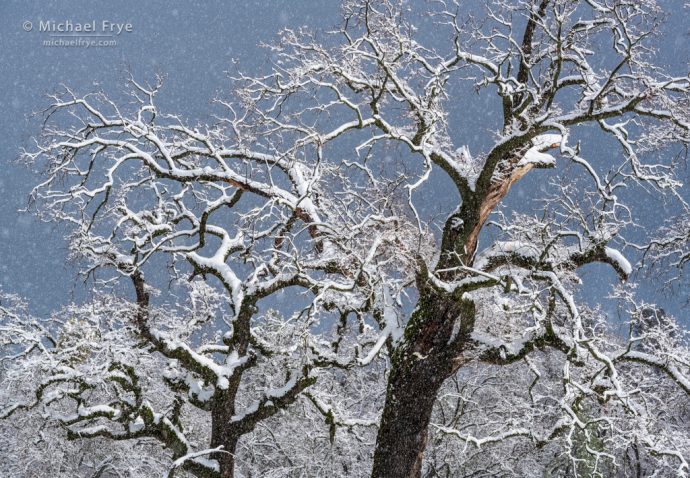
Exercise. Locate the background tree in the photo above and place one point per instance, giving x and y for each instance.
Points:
(507, 420)
(140, 188)
(94, 398)
(667, 255)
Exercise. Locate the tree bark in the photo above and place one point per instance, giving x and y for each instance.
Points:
(223, 431)
(226, 460)
(428, 355)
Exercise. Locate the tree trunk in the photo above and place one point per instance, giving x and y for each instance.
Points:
(403, 432)
(428, 355)
(227, 460)
(223, 433)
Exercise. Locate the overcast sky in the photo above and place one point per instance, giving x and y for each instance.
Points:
(191, 42)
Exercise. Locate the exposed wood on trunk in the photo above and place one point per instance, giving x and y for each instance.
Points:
(494, 196)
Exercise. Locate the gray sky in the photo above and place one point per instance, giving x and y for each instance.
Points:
(192, 43)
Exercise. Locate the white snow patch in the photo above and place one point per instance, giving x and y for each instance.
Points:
(136, 425)
(536, 155)
(617, 257)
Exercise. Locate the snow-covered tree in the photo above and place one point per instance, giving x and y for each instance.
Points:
(320, 180)
(667, 255)
(91, 396)
(507, 420)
